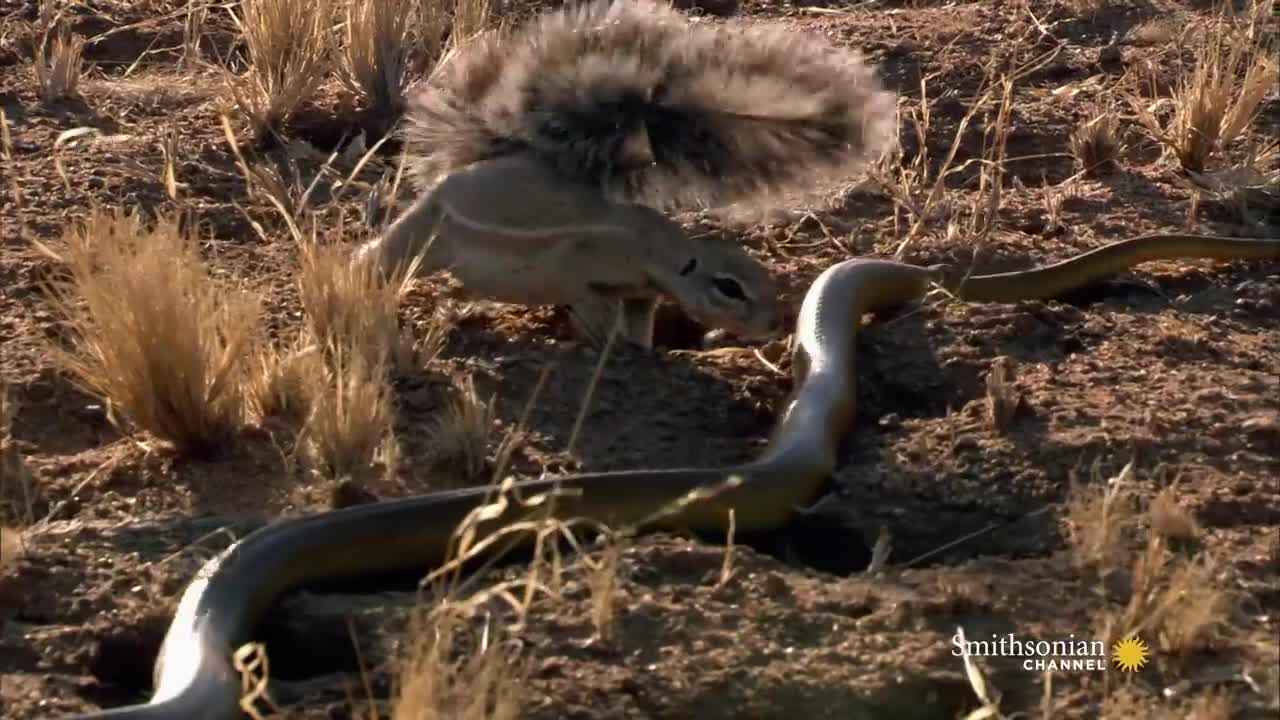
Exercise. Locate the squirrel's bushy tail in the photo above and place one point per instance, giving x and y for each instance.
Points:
(652, 107)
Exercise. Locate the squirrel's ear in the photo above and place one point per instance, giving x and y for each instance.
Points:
(689, 266)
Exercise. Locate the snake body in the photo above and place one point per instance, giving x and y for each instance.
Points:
(194, 678)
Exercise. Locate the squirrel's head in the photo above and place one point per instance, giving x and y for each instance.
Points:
(715, 282)
(720, 285)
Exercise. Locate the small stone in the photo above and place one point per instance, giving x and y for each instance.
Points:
(1263, 432)
(348, 493)
(550, 668)
(775, 587)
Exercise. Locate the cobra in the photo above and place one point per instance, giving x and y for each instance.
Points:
(194, 678)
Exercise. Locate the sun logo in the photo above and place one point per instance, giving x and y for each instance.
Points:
(1129, 654)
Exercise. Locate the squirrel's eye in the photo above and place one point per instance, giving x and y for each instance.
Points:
(729, 287)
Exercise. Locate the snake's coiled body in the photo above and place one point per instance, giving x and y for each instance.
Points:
(195, 679)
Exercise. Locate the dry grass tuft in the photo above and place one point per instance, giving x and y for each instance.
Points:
(603, 580)
(431, 334)
(349, 429)
(470, 18)
(1213, 104)
(1149, 570)
(386, 43)
(192, 30)
(1248, 186)
(924, 193)
(288, 43)
(924, 187)
(1212, 705)
(16, 483)
(1003, 398)
(15, 488)
(482, 682)
(282, 381)
(377, 55)
(11, 549)
(57, 65)
(1170, 520)
(352, 322)
(1177, 602)
(913, 185)
(351, 304)
(1054, 199)
(1096, 145)
(460, 437)
(1192, 612)
(152, 334)
(1099, 518)
(8, 411)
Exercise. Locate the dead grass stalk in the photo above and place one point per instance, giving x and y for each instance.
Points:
(197, 13)
(57, 65)
(460, 437)
(604, 585)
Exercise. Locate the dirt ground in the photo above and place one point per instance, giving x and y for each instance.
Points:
(1176, 369)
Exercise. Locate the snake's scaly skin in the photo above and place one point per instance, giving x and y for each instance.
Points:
(217, 613)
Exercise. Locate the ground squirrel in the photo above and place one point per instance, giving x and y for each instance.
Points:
(546, 155)
(511, 229)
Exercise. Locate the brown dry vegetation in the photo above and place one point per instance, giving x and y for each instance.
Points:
(185, 356)
(151, 333)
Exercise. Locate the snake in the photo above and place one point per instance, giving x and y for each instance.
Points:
(194, 678)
